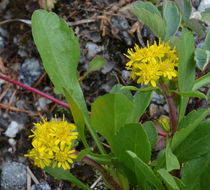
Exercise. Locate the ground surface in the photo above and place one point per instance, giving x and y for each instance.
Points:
(104, 28)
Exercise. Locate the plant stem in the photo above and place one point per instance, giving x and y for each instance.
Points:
(172, 108)
(35, 91)
(103, 171)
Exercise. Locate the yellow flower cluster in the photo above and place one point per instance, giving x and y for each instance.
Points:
(53, 141)
(151, 63)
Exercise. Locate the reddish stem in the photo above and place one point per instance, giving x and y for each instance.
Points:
(162, 134)
(172, 108)
(35, 91)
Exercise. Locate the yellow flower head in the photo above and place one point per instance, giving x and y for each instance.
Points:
(151, 63)
(53, 141)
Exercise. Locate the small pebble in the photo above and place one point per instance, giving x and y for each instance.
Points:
(93, 49)
(126, 75)
(13, 129)
(107, 67)
(13, 177)
(30, 71)
(41, 186)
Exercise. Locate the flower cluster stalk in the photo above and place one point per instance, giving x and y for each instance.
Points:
(172, 108)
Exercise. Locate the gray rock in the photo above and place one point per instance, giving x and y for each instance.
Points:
(119, 22)
(42, 186)
(126, 75)
(107, 67)
(1, 43)
(13, 177)
(157, 98)
(93, 49)
(13, 128)
(127, 38)
(4, 33)
(204, 4)
(30, 71)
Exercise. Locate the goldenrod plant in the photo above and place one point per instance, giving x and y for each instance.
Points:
(168, 67)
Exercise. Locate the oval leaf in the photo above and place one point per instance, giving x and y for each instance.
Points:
(109, 113)
(172, 17)
(202, 58)
(96, 64)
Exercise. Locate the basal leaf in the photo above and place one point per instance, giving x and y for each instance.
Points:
(118, 88)
(153, 21)
(77, 115)
(65, 175)
(202, 58)
(181, 135)
(141, 102)
(146, 170)
(109, 113)
(172, 162)
(207, 41)
(172, 17)
(147, 6)
(131, 137)
(196, 144)
(168, 179)
(193, 170)
(185, 8)
(197, 26)
(151, 131)
(60, 52)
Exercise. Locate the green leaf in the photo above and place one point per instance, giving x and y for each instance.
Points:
(206, 14)
(172, 162)
(172, 17)
(197, 26)
(186, 67)
(208, 95)
(190, 94)
(185, 8)
(96, 64)
(193, 170)
(65, 175)
(179, 182)
(82, 154)
(191, 118)
(181, 135)
(202, 81)
(58, 47)
(109, 113)
(147, 6)
(202, 58)
(77, 115)
(146, 170)
(141, 102)
(118, 88)
(195, 144)
(131, 137)
(151, 19)
(151, 131)
(168, 179)
(60, 52)
(207, 41)
(205, 178)
(146, 89)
